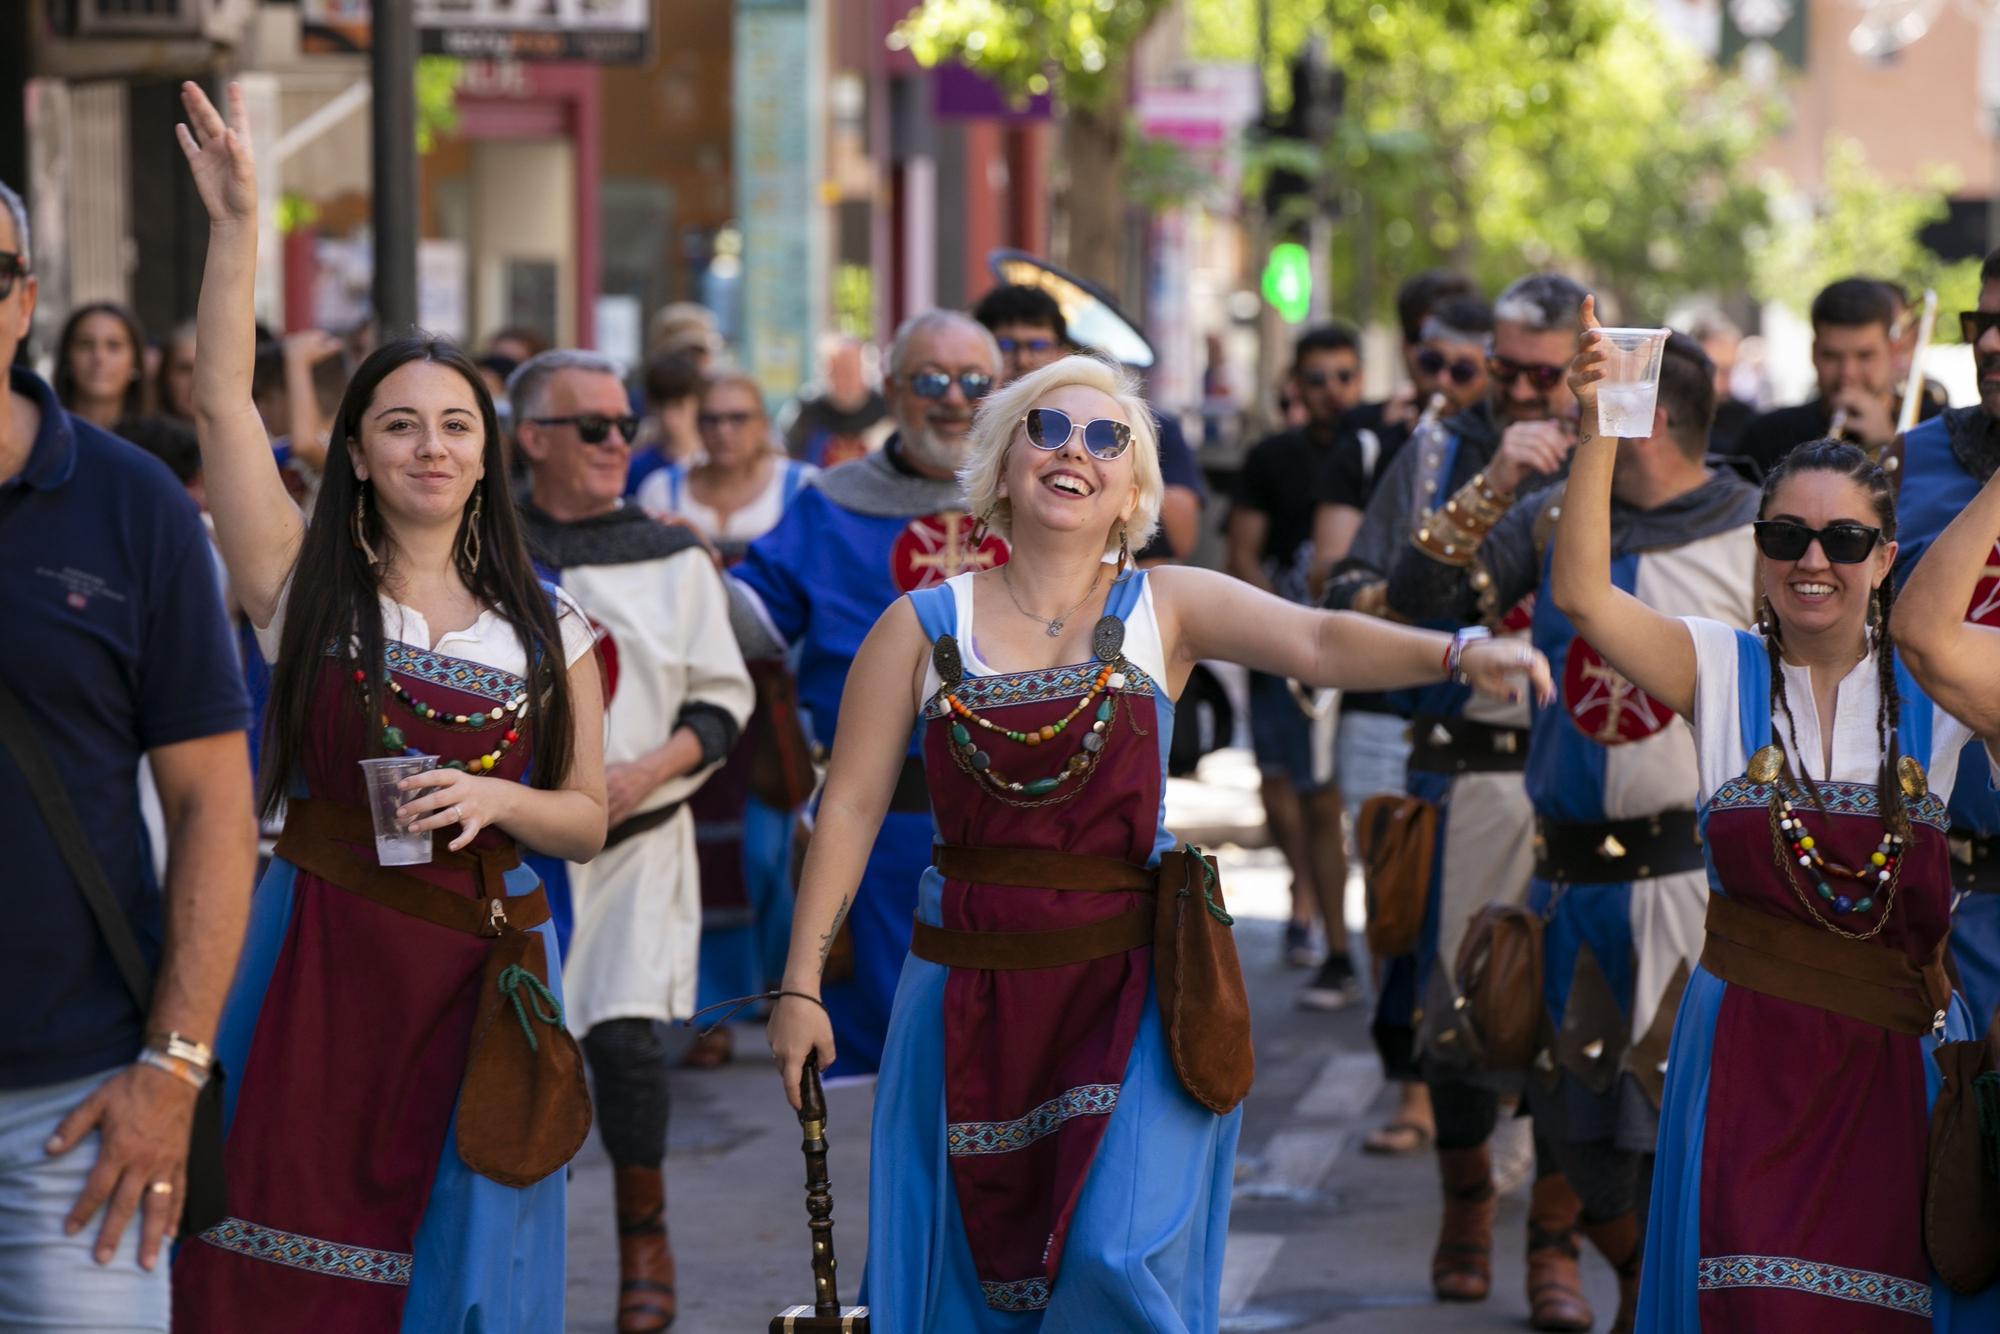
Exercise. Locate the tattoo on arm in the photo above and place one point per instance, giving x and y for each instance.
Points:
(827, 936)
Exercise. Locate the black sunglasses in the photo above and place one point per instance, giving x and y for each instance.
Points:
(1050, 428)
(1320, 379)
(592, 427)
(11, 267)
(708, 421)
(1010, 345)
(1973, 324)
(1459, 370)
(1507, 370)
(1845, 543)
(936, 384)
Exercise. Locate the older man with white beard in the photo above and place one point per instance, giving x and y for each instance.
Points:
(859, 537)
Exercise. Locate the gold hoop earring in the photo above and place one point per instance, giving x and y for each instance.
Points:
(360, 525)
(470, 546)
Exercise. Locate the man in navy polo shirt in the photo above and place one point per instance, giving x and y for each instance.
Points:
(112, 636)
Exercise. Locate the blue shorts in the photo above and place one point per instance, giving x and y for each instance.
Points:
(47, 1280)
(1289, 743)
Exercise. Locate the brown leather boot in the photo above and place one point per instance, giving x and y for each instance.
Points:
(1462, 1265)
(645, 1261)
(1555, 1285)
(1619, 1242)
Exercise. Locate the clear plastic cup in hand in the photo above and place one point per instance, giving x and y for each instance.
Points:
(1630, 389)
(395, 844)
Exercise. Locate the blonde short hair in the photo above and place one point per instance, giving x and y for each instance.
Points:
(1000, 414)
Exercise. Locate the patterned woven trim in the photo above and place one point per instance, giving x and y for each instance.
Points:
(1005, 688)
(966, 1139)
(310, 1253)
(1023, 1294)
(438, 669)
(1841, 799)
(1817, 1280)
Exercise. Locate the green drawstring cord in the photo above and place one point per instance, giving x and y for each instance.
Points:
(1986, 1090)
(547, 1006)
(1208, 887)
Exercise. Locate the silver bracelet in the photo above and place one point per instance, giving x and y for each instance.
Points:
(1463, 639)
(196, 1054)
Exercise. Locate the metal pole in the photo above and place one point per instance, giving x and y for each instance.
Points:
(392, 68)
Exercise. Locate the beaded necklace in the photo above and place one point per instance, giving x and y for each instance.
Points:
(1792, 847)
(506, 716)
(1107, 645)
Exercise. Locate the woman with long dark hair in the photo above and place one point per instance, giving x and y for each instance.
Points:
(1788, 1187)
(408, 619)
(101, 364)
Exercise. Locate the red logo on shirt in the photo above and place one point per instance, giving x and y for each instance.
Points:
(1985, 606)
(1603, 705)
(77, 600)
(937, 546)
(607, 657)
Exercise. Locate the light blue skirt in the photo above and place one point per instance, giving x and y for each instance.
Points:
(1145, 1248)
(1669, 1301)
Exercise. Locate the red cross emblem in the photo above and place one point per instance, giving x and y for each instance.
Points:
(937, 546)
(1603, 705)
(1985, 606)
(607, 657)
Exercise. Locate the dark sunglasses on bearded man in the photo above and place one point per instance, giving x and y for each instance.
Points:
(936, 384)
(593, 427)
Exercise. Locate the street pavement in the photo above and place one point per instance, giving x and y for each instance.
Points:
(1322, 1236)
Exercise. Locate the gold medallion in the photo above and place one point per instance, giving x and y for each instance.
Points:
(1766, 765)
(1911, 775)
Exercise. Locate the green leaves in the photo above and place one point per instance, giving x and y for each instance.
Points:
(1030, 47)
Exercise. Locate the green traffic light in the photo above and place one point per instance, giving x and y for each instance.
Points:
(1288, 282)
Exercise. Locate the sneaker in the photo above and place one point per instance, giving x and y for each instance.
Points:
(1299, 952)
(1334, 986)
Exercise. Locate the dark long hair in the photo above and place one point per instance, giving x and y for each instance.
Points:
(335, 588)
(134, 402)
(1845, 460)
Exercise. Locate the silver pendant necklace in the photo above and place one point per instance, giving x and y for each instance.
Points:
(1053, 628)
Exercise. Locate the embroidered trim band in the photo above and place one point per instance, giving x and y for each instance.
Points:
(1023, 1294)
(965, 1139)
(1818, 1280)
(1841, 799)
(295, 1251)
(1006, 688)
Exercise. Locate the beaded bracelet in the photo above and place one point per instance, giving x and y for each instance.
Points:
(196, 1080)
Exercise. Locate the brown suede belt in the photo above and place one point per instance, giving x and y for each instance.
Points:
(1038, 869)
(1811, 966)
(315, 839)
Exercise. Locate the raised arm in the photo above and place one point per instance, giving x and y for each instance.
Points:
(256, 524)
(1208, 615)
(1951, 657)
(860, 779)
(1653, 651)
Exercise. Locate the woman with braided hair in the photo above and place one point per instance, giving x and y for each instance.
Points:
(1788, 1188)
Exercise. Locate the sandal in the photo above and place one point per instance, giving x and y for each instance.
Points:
(1398, 1139)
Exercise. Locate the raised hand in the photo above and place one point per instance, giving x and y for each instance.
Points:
(1588, 368)
(219, 155)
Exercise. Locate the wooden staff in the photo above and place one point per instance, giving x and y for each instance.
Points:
(826, 1313)
(1913, 389)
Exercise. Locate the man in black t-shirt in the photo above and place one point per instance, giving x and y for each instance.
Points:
(1269, 544)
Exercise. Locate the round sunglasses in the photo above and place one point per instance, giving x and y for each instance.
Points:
(1845, 543)
(1051, 428)
(1459, 370)
(936, 384)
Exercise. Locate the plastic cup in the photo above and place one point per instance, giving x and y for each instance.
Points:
(395, 845)
(1630, 389)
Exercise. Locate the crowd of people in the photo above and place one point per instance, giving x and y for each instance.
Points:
(1723, 969)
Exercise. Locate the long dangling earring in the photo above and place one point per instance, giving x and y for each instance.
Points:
(360, 524)
(470, 547)
(1124, 551)
(1767, 619)
(978, 538)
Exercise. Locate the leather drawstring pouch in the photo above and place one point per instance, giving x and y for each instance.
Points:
(524, 1110)
(1397, 837)
(1962, 1189)
(1203, 1004)
(1498, 974)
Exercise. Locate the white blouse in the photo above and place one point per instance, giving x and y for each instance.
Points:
(489, 641)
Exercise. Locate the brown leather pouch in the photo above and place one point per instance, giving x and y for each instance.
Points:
(524, 1109)
(1962, 1192)
(1499, 978)
(1396, 836)
(781, 767)
(1203, 1004)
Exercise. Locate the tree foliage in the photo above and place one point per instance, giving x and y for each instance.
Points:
(1500, 136)
(1073, 48)
(1863, 224)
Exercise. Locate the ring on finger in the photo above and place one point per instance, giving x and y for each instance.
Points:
(161, 1188)
(457, 814)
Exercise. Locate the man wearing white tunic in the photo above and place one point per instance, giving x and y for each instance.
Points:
(676, 696)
